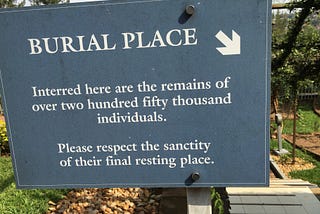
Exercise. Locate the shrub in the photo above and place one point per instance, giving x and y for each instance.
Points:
(217, 202)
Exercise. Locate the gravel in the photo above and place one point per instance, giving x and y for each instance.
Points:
(109, 200)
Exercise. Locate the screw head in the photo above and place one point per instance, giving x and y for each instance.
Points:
(195, 176)
(190, 9)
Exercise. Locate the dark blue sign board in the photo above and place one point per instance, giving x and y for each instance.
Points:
(138, 93)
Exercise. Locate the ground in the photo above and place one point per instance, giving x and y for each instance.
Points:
(310, 142)
(108, 200)
(286, 165)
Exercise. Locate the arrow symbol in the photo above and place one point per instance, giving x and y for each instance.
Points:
(232, 46)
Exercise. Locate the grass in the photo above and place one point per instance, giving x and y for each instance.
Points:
(307, 123)
(311, 175)
(13, 201)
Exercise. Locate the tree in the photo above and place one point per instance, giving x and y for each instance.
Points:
(296, 54)
(294, 28)
(295, 48)
(10, 3)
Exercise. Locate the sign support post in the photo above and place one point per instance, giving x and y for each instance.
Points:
(199, 200)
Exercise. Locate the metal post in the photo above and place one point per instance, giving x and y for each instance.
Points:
(279, 123)
(279, 133)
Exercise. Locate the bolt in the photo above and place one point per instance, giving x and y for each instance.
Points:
(190, 9)
(195, 176)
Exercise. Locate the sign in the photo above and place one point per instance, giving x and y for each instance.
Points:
(138, 93)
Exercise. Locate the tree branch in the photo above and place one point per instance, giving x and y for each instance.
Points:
(294, 30)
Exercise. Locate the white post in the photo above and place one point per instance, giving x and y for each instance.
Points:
(199, 200)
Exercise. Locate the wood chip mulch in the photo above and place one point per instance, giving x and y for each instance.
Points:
(286, 165)
(111, 201)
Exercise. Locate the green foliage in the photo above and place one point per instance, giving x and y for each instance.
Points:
(279, 81)
(11, 3)
(293, 30)
(295, 49)
(22, 201)
(306, 53)
(217, 203)
(4, 142)
(307, 123)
